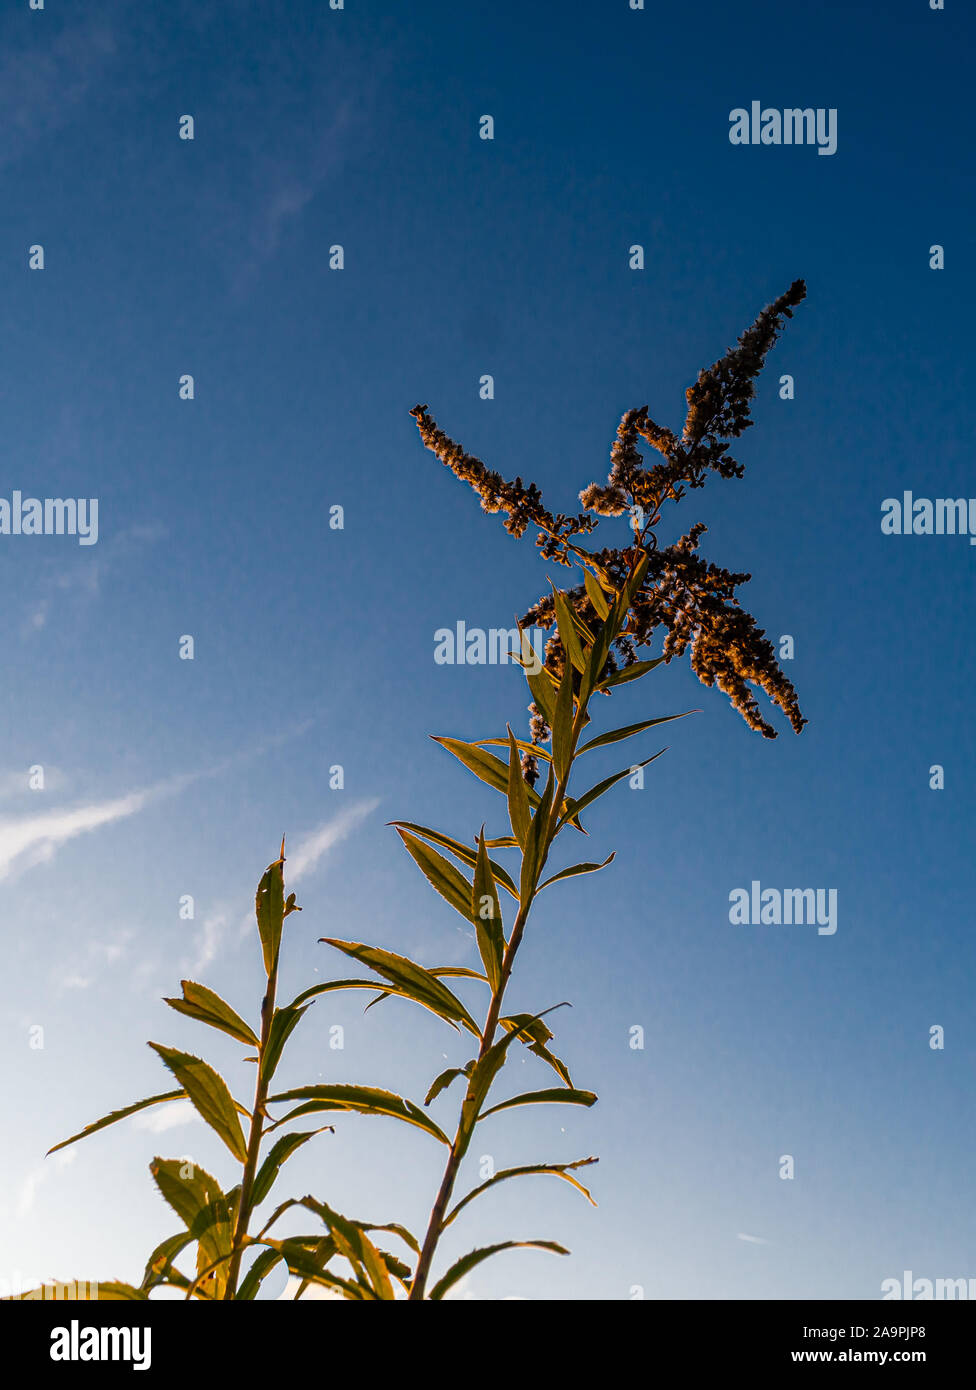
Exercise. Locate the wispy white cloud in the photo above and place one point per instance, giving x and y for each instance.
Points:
(16, 782)
(95, 954)
(304, 858)
(76, 579)
(27, 841)
(45, 80)
(753, 1240)
(208, 943)
(314, 1293)
(159, 1118)
(38, 1175)
(33, 840)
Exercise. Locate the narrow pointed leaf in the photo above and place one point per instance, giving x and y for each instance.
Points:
(203, 1004)
(159, 1267)
(203, 1208)
(523, 745)
(386, 991)
(467, 1262)
(543, 693)
(463, 852)
(562, 730)
(277, 1155)
(535, 1035)
(589, 797)
(486, 1068)
(536, 836)
(526, 655)
(630, 673)
(556, 1170)
(408, 977)
(616, 735)
(269, 908)
(282, 1023)
(304, 1264)
(440, 971)
(574, 869)
(568, 635)
(484, 765)
(441, 1082)
(209, 1094)
(256, 1275)
(556, 1096)
(440, 873)
(117, 1115)
(355, 1245)
(487, 916)
(518, 795)
(108, 1291)
(596, 595)
(367, 1100)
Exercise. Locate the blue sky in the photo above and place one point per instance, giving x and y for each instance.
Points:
(314, 647)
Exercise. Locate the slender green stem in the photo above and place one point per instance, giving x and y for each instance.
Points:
(466, 1122)
(255, 1136)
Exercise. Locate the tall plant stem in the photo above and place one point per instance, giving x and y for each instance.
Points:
(462, 1135)
(255, 1136)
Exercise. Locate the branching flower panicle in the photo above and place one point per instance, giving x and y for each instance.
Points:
(694, 601)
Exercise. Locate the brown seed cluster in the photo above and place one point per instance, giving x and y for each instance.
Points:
(694, 601)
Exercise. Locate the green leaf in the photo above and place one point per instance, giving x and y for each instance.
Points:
(408, 978)
(556, 1170)
(441, 1082)
(562, 730)
(269, 908)
(616, 735)
(488, 1066)
(538, 1035)
(159, 1267)
(534, 844)
(467, 1262)
(117, 1115)
(568, 635)
(305, 1264)
(202, 1207)
(487, 916)
(630, 673)
(556, 1096)
(484, 765)
(518, 794)
(367, 1100)
(209, 1094)
(522, 744)
(355, 1246)
(543, 691)
(277, 1155)
(310, 1204)
(440, 873)
(597, 597)
(256, 1275)
(626, 596)
(385, 992)
(574, 869)
(201, 1003)
(282, 1022)
(525, 656)
(348, 1239)
(462, 851)
(439, 971)
(110, 1291)
(575, 807)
